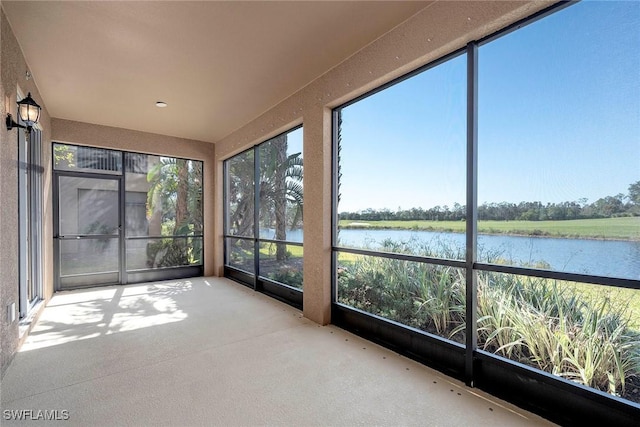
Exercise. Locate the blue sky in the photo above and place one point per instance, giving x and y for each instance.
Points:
(294, 142)
(559, 119)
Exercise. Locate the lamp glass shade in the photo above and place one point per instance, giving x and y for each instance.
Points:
(29, 110)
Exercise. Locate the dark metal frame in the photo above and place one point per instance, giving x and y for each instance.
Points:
(335, 192)
(255, 281)
(471, 276)
(256, 218)
(30, 287)
(553, 397)
(125, 276)
(57, 238)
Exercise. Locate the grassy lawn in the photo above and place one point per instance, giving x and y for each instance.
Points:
(626, 300)
(627, 228)
(268, 250)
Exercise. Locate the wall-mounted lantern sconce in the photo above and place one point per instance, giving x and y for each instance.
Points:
(29, 112)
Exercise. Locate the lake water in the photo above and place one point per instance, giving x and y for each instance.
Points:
(613, 258)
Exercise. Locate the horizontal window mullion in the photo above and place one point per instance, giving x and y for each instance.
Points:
(174, 267)
(559, 275)
(88, 236)
(183, 236)
(231, 236)
(280, 241)
(288, 242)
(402, 257)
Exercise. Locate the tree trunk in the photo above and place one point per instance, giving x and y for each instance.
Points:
(196, 195)
(183, 190)
(154, 203)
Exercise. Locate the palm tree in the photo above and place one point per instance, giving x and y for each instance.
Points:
(177, 184)
(280, 190)
(240, 194)
(175, 192)
(280, 185)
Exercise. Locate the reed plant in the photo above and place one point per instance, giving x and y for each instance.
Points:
(570, 330)
(544, 324)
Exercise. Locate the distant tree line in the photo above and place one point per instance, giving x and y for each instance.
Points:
(605, 207)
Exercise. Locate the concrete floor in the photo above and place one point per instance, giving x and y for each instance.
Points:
(209, 351)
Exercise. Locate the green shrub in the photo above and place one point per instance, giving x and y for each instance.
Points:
(169, 253)
(288, 275)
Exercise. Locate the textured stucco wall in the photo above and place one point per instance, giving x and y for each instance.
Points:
(143, 142)
(440, 28)
(13, 75)
(435, 31)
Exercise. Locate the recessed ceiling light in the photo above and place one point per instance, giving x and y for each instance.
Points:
(161, 104)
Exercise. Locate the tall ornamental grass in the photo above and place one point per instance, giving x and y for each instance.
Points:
(570, 330)
(557, 329)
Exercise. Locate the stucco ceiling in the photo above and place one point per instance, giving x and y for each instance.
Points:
(217, 64)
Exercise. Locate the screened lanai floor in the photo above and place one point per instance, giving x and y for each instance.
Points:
(209, 351)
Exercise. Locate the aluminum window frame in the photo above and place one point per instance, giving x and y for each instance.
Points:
(474, 365)
(254, 280)
(126, 276)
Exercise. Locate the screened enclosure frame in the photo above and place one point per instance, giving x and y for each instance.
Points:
(30, 208)
(126, 274)
(556, 398)
(255, 280)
